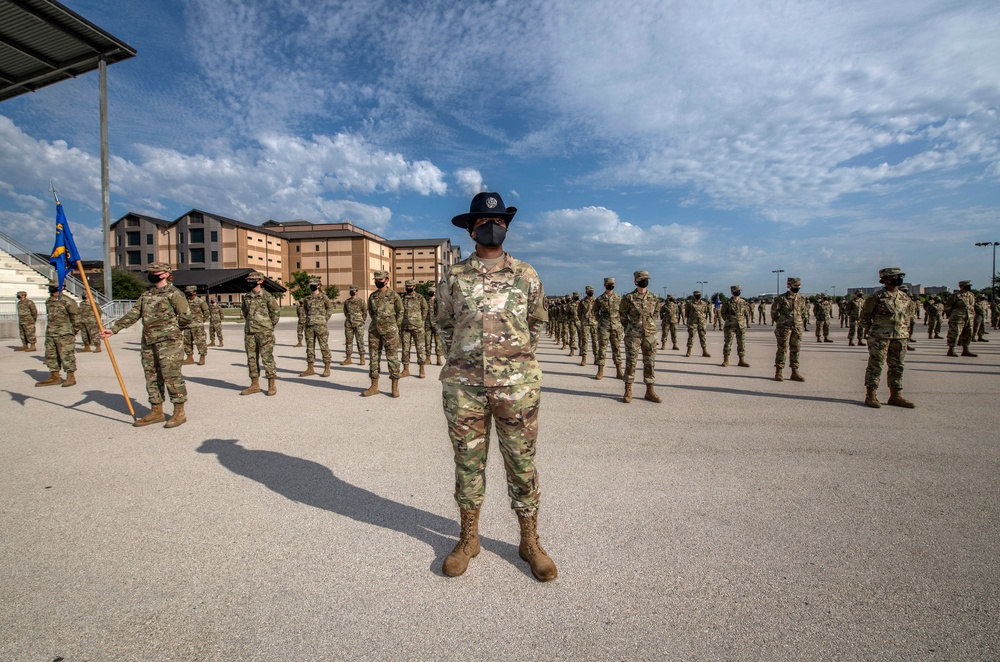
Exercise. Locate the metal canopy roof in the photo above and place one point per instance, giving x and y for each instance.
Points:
(42, 42)
(221, 280)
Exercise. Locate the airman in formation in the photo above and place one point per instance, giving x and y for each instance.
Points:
(639, 311)
(260, 314)
(670, 315)
(385, 308)
(789, 312)
(27, 318)
(432, 339)
(886, 318)
(355, 314)
(318, 310)
(960, 309)
(415, 312)
(194, 335)
(214, 324)
(735, 313)
(588, 325)
(854, 307)
(60, 337)
(696, 311)
(88, 327)
(609, 329)
(823, 310)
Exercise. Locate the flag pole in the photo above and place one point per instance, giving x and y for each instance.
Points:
(100, 325)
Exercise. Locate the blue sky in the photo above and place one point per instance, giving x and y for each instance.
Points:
(702, 141)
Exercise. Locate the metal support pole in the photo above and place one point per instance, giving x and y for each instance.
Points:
(105, 189)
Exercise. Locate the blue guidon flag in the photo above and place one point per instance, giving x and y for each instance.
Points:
(64, 254)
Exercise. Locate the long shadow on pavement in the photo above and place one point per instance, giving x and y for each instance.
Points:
(22, 398)
(734, 391)
(313, 484)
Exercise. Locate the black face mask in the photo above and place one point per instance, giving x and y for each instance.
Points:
(353, 292)
(697, 297)
(576, 298)
(794, 290)
(409, 290)
(896, 281)
(609, 288)
(380, 284)
(490, 234)
(642, 283)
(154, 278)
(736, 294)
(53, 290)
(314, 287)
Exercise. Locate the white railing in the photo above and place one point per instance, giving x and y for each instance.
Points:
(73, 285)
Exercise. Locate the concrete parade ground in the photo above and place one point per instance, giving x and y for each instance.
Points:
(742, 519)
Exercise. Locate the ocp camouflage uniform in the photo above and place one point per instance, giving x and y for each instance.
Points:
(490, 318)
(886, 318)
(261, 312)
(982, 312)
(823, 310)
(60, 333)
(854, 308)
(960, 309)
(194, 335)
(432, 339)
(696, 312)
(788, 312)
(574, 328)
(386, 311)
(639, 313)
(214, 323)
(669, 317)
(165, 314)
(300, 327)
(87, 325)
(588, 326)
(734, 314)
(27, 317)
(609, 328)
(355, 314)
(411, 327)
(761, 319)
(935, 311)
(318, 309)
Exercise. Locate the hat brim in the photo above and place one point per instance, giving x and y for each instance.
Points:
(463, 220)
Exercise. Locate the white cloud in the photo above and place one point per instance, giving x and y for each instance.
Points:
(470, 181)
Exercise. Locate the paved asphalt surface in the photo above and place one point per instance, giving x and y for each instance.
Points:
(741, 519)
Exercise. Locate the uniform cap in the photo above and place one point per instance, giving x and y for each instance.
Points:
(381, 275)
(316, 279)
(22, 293)
(255, 276)
(191, 288)
(965, 283)
(640, 274)
(735, 288)
(353, 287)
(589, 288)
(609, 280)
(160, 266)
(53, 283)
(576, 294)
(794, 282)
(670, 297)
(484, 205)
(431, 290)
(696, 293)
(858, 293)
(890, 272)
(411, 283)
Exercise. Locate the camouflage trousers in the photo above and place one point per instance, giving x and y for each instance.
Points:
(416, 338)
(215, 331)
(588, 333)
(300, 331)
(717, 322)
(195, 336)
(60, 352)
(701, 330)
(470, 412)
(27, 331)
(606, 335)
(854, 328)
(761, 318)
(668, 329)
(882, 351)
(959, 333)
(354, 334)
(978, 326)
(260, 352)
(88, 334)
(388, 341)
(741, 338)
(789, 341)
(822, 328)
(432, 337)
(161, 364)
(574, 333)
(934, 326)
(633, 346)
(317, 333)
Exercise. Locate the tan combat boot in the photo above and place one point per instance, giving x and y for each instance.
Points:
(440, 362)
(70, 379)
(966, 352)
(851, 343)
(663, 344)
(583, 360)
(85, 348)
(308, 371)
(861, 343)
(743, 363)
(395, 387)
(362, 359)
(188, 360)
(406, 370)
(211, 344)
(531, 550)
(272, 386)
(201, 359)
(253, 388)
(97, 348)
(618, 371)
(796, 377)
(22, 348)
(704, 352)
(896, 399)
(220, 343)
(467, 548)
(627, 398)
(32, 348)
(778, 377)
(725, 361)
(818, 339)
(600, 372)
(51, 381)
(371, 390)
(326, 369)
(154, 416)
(675, 346)
(651, 394)
(688, 352)
(871, 397)
(951, 351)
(298, 344)
(347, 361)
(422, 374)
(572, 351)
(178, 418)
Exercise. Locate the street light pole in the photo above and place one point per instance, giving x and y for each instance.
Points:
(703, 283)
(993, 273)
(777, 276)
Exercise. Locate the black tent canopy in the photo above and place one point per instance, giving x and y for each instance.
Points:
(221, 281)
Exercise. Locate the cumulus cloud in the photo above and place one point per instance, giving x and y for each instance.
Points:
(470, 181)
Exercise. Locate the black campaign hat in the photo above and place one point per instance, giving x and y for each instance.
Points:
(485, 205)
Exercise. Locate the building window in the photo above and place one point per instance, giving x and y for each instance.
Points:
(270, 260)
(215, 256)
(215, 236)
(259, 240)
(317, 248)
(132, 239)
(180, 258)
(180, 237)
(298, 265)
(149, 240)
(149, 258)
(197, 236)
(196, 218)
(118, 240)
(134, 258)
(317, 265)
(197, 255)
(132, 223)
(297, 249)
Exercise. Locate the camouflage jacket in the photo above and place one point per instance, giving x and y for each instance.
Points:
(318, 308)
(639, 313)
(823, 310)
(432, 309)
(585, 311)
(215, 313)
(355, 311)
(960, 306)
(260, 312)
(696, 311)
(935, 311)
(854, 307)
(490, 319)
(27, 313)
(606, 310)
(164, 312)
(789, 310)
(85, 313)
(887, 314)
(199, 309)
(572, 312)
(735, 311)
(983, 309)
(62, 313)
(414, 311)
(300, 311)
(386, 311)
(670, 313)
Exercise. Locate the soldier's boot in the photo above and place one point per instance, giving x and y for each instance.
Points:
(663, 344)
(600, 372)
(688, 352)
(796, 377)
(851, 343)
(406, 370)
(371, 390)
(439, 361)
(871, 398)
(981, 339)
(861, 343)
(298, 344)
(361, 360)
(189, 360)
(85, 348)
(421, 374)
(778, 377)
(572, 351)
(951, 351)
(896, 399)
(308, 371)
(155, 416)
(201, 359)
(725, 361)
(51, 381)
(937, 336)
(827, 339)
(326, 369)
(818, 339)
(930, 335)
(467, 547)
(651, 394)
(966, 352)
(395, 388)
(743, 363)
(583, 360)
(531, 550)
(253, 388)
(675, 346)
(618, 371)
(911, 348)
(627, 398)
(32, 349)
(97, 348)
(178, 417)
(22, 348)
(347, 361)
(704, 352)
(211, 344)
(220, 343)
(272, 386)
(70, 379)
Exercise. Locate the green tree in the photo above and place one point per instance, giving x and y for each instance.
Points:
(332, 292)
(124, 284)
(299, 287)
(423, 289)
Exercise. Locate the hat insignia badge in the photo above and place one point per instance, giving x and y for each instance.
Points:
(491, 202)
